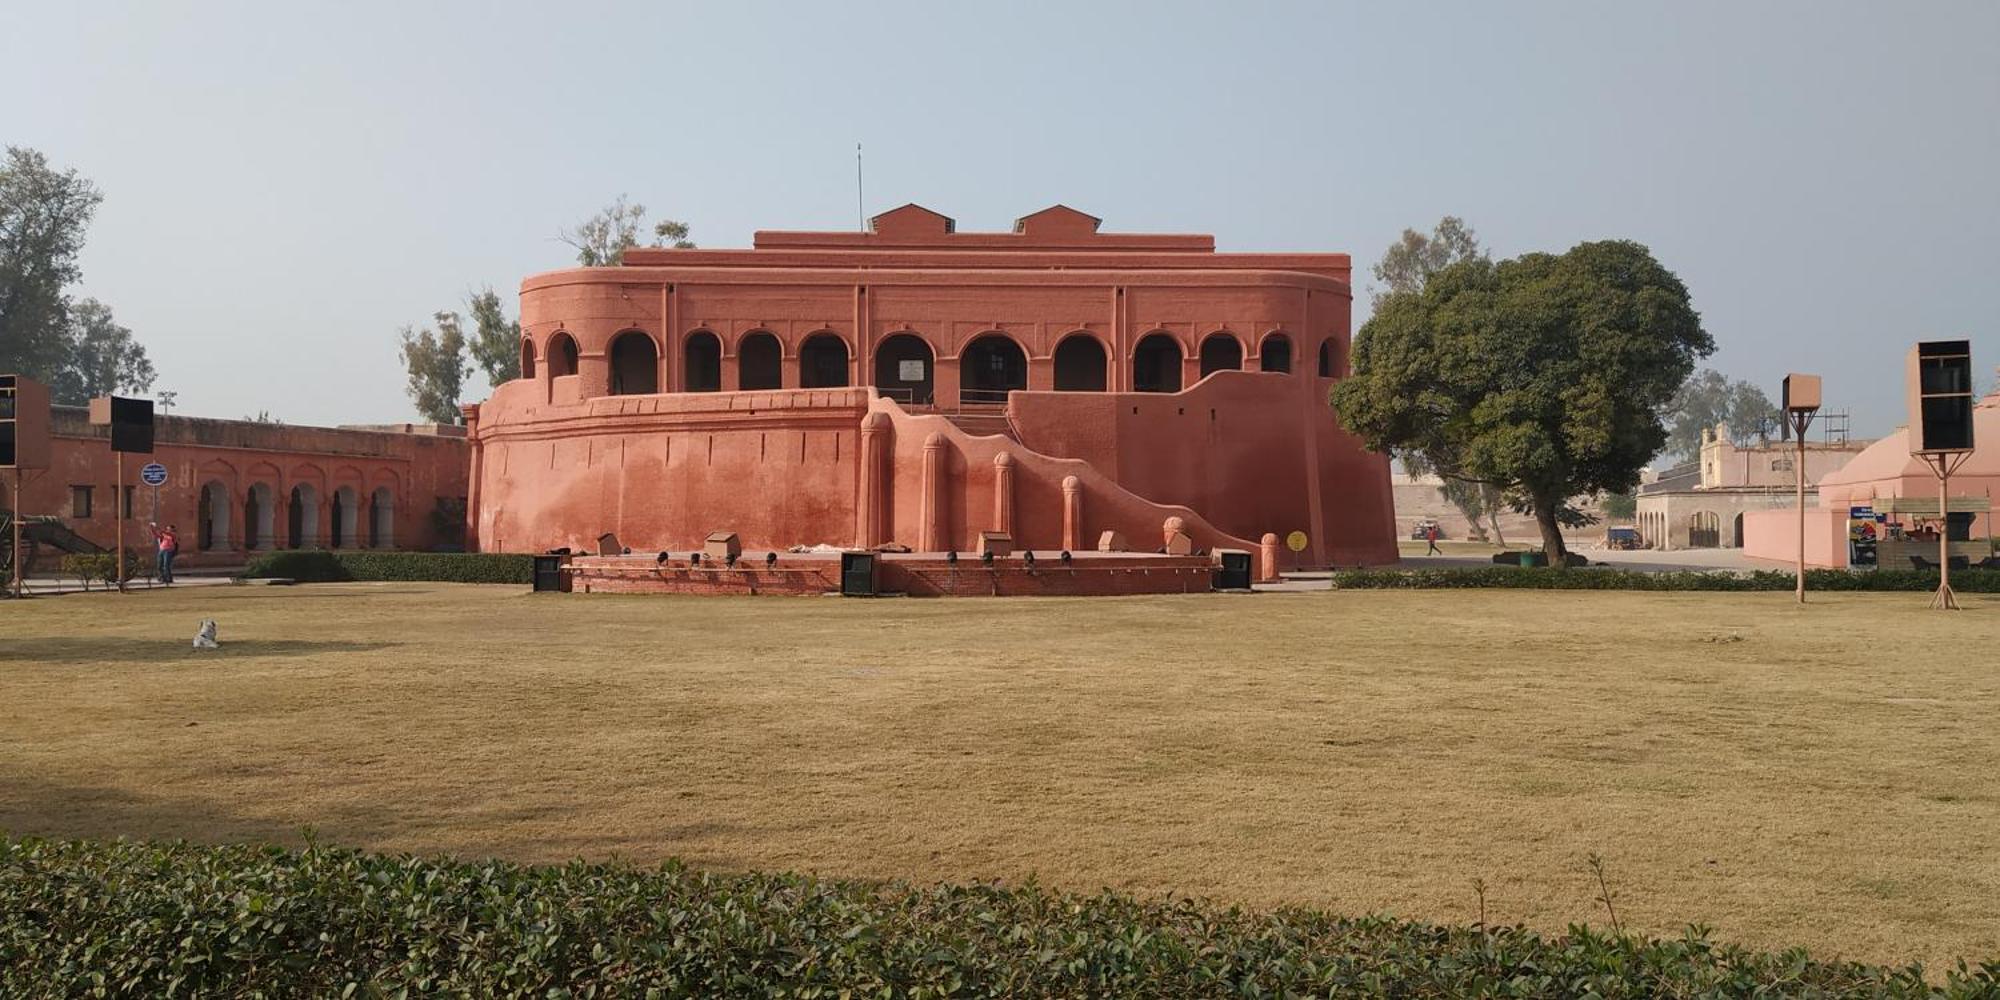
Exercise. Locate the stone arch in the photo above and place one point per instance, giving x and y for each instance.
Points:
(343, 518)
(989, 367)
(1326, 359)
(212, 516)
(260, 512)
(527, 357)
(905, 368)
(1704, 530)
(1736, 532)
(1275, 355)
(1081, 364)
(823, 361)
(701, 362)
(1221, 351)
(1156, 363)
(302, 516)
(635, 364)
(561, 355)
(382, 518)
(760, 361)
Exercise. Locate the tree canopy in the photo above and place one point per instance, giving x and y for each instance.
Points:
(76, 348)
(1710, 398)
(496, 340)
(435, 360)
(602, 239)
(1546, 376)
(1411, 260)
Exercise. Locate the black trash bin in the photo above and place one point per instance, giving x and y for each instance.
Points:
(548, 572)
(1233, 573)
(857, 574)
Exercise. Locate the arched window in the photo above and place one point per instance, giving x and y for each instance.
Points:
(1080, 364)
(701, 362)
(1276, 355)
(1326, 359)
(527, 358)
(1221, 352)
(990, 367)
(212, 526)
(823, 361)
(759, 362)
(304, 516)
(904, 369)
(562, 355)
(1156, 364)
(635, 364)
(382, 519)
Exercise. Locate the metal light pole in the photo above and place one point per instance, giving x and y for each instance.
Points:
(1801, 394)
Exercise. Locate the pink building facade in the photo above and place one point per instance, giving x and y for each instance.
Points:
(917, 386)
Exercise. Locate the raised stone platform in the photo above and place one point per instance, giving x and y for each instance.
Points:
(916, 574)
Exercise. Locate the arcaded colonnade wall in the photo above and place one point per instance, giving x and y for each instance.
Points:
(697, 390)
(236, 488)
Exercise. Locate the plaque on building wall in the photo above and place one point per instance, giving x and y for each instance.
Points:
(910, 371)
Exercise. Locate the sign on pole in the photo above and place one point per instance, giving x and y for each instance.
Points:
(153, 474)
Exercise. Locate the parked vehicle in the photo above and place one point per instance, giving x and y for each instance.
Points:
(1623, 538)
(1423, 529)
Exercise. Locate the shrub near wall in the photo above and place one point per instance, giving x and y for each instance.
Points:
(320, 566)
(134, 919)
(1512, 578)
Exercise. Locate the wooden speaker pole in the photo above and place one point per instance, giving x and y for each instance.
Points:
(118, 509)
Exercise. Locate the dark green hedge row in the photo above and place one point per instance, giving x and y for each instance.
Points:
(321, 566)
(1516, 578)
(135, 919)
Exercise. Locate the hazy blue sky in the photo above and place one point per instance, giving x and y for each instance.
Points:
(285, 186)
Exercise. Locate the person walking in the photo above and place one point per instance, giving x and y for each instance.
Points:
(169, 543)
(1431, 536)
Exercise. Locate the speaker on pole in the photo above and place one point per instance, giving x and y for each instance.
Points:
(131, 422)
(1940, 393)
(24, 423)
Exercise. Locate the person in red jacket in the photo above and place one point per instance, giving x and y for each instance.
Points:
(169, 543)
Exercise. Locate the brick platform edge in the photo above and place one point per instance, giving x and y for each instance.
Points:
(913, 574)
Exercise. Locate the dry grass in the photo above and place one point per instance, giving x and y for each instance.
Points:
(1827, 776)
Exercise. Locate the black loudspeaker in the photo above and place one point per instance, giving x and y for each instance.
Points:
(131, 422)
(24, 423)
(1940, 393)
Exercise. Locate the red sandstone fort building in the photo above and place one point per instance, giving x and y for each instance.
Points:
(916, 385)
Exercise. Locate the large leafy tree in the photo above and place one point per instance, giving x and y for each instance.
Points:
(496, 340)
(1546, 376)
(602, 239)
(1403, 269)
(435, 361)
(74, 347)
(1710, 398)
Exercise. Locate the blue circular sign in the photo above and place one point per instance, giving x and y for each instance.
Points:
(153, 474)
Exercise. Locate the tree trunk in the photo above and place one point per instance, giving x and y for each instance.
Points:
(1552, 536)
(1501, 536)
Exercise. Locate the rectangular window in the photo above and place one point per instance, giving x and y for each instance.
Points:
(128, 502)
(79, 501)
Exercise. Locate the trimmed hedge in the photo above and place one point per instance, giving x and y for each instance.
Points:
(137, 919)
(322, 566)
(1516, 578)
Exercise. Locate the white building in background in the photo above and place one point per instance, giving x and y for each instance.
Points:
(1701, 504)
